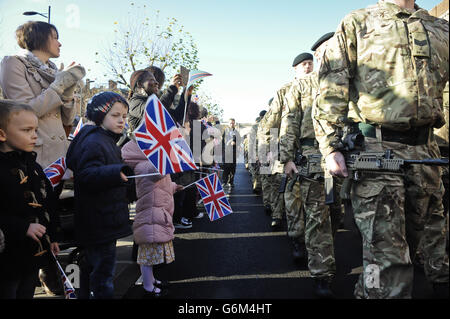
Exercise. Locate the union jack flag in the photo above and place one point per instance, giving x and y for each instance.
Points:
(56, 170)
(161, 141)
(213, 196)
(69, 291)
(77, 129)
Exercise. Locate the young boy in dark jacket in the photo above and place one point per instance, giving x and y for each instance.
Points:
(100, 186)
(27, 204)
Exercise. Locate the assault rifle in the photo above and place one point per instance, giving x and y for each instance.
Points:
(378, 163)
(307, 166)
(357, 162)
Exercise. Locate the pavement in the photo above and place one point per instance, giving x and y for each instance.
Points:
(240, 257)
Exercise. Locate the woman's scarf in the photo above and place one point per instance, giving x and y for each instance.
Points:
(46, 70)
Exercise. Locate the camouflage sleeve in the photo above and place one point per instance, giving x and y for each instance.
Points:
(336, 71)
(252, 155)
(273, 117)
(291, 119)
(262, 146)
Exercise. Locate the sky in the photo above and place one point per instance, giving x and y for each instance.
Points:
(248, 45)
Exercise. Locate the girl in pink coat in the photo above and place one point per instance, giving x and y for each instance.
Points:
(152, 228)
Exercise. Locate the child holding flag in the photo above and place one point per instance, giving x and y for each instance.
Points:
(152, 228)
(27, 214)
(100, 185)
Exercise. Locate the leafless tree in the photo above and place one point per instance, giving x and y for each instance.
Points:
(142, 41)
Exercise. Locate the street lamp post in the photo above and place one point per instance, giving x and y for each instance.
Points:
(32, 13)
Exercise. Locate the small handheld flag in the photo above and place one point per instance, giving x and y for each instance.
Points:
(195, 75)
(55, 171)
(69, 291)
(77, 129)
(160, 140)
(213, 196)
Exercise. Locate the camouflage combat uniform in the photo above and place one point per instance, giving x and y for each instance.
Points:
(396, 64)
(291, 205)
(297, 133)
(263, 171)
(245, 143)
(442, 136)
(253, 156)
(268, 136)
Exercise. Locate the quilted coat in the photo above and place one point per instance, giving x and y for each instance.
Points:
(155, 205)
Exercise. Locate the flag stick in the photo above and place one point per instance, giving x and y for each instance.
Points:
(185, 105)
(184, 187)
(212, 169)
(67, 284)
(143, 175)
(201, 173)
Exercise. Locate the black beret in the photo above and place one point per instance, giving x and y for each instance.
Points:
(262, 113)
(325, 37)
(302, 57)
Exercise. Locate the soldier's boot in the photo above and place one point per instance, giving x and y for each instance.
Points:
(440, 290)
(322, 288)
(276, 223)
(299, 251)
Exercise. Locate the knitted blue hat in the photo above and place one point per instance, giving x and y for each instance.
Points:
(100, 104)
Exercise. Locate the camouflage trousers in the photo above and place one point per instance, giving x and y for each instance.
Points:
(256, 179)
(396, 213)
(266, 188)
(318, 232)
(275, 197)
(295, 217)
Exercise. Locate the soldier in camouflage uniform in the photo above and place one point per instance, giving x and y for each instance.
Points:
(264, 170)
(270, 169)
(245, 144)
(253, 155)
(297, 134)
(385, 70)
(302, 64)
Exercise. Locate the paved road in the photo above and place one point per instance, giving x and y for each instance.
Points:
(241, 257)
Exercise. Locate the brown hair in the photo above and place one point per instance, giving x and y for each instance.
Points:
(8, 107)
(193, 111)
(33, 35)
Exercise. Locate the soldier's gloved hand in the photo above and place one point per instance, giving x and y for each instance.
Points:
(335, 164)
(290, 168)
(67, 79)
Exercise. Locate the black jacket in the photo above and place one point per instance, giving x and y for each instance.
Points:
(16, 214)
(101, 202)
(137, 104)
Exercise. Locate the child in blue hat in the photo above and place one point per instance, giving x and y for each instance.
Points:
(100, 186)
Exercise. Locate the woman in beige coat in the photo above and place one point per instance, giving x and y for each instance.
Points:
(30, 77)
